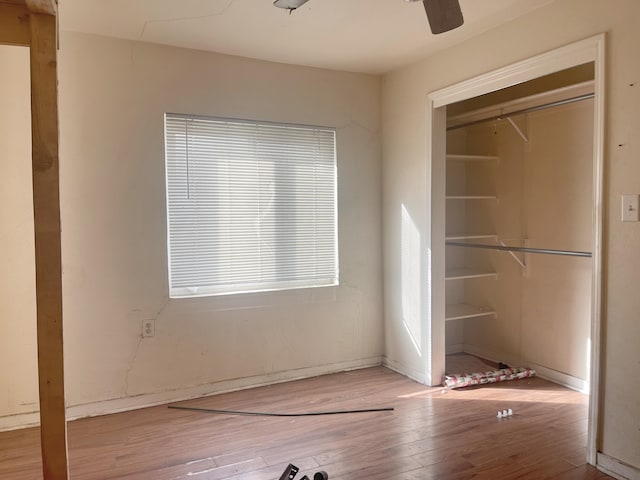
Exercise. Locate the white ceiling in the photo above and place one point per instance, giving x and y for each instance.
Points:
(372, 36)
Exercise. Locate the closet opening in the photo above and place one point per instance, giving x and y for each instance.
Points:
(519, 228)
(516, 222)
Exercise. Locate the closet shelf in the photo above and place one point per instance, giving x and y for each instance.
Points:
(471, 158)
(471, 197)
(463, 273)
(469, 236)
(460, 311)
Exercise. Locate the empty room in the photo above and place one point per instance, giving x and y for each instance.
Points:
(319, 239)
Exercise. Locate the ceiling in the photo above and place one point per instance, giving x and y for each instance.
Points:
(371, 36)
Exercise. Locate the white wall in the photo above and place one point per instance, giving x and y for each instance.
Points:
(558, 193)
(406, 194)
(18, 354)
(113, 95)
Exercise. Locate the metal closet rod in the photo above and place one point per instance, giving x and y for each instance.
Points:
(557, 103)
(547, 251)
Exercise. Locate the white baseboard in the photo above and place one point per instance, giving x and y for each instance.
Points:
(398, 367)
(569, 381)
(117, 405)
(20, 420)
(566, 380)
(616, 468)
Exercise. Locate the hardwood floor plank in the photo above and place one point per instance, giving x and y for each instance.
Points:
(431, 434)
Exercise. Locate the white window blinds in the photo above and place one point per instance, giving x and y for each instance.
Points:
(251, 206)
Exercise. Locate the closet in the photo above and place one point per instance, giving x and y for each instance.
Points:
(519, 226)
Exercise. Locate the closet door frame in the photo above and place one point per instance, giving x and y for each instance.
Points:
(585, 51)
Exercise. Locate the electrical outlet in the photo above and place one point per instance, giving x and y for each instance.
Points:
(148, 328)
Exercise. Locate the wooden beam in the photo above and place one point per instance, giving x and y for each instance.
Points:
(14, 24)
(48, 7)
(46, 209)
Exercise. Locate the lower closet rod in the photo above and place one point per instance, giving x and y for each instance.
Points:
(570, 253)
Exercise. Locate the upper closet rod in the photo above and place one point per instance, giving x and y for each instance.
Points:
(570, 253)
(502, 116)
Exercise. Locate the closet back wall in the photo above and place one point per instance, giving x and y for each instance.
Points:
(558, 213)
(544, 189)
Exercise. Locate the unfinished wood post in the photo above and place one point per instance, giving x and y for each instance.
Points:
(46, 210)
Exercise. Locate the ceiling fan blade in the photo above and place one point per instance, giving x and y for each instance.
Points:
(443, 15)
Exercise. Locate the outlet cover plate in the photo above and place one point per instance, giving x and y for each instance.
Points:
(148, 328)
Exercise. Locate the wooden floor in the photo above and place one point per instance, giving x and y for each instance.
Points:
(430, 435)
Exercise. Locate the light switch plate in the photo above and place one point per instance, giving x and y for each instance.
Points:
(630, 208)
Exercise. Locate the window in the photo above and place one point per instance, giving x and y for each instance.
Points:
(251, 206)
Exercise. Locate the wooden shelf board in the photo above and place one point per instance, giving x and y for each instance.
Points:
(459, 311)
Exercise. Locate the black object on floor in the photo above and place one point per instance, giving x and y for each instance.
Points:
(266, 414)
(289, 472)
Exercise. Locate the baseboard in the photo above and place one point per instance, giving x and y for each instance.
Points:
(569, 381)
(20, 420)
(616, 468)
(564, 379)
(117, 405)
(397, 367)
